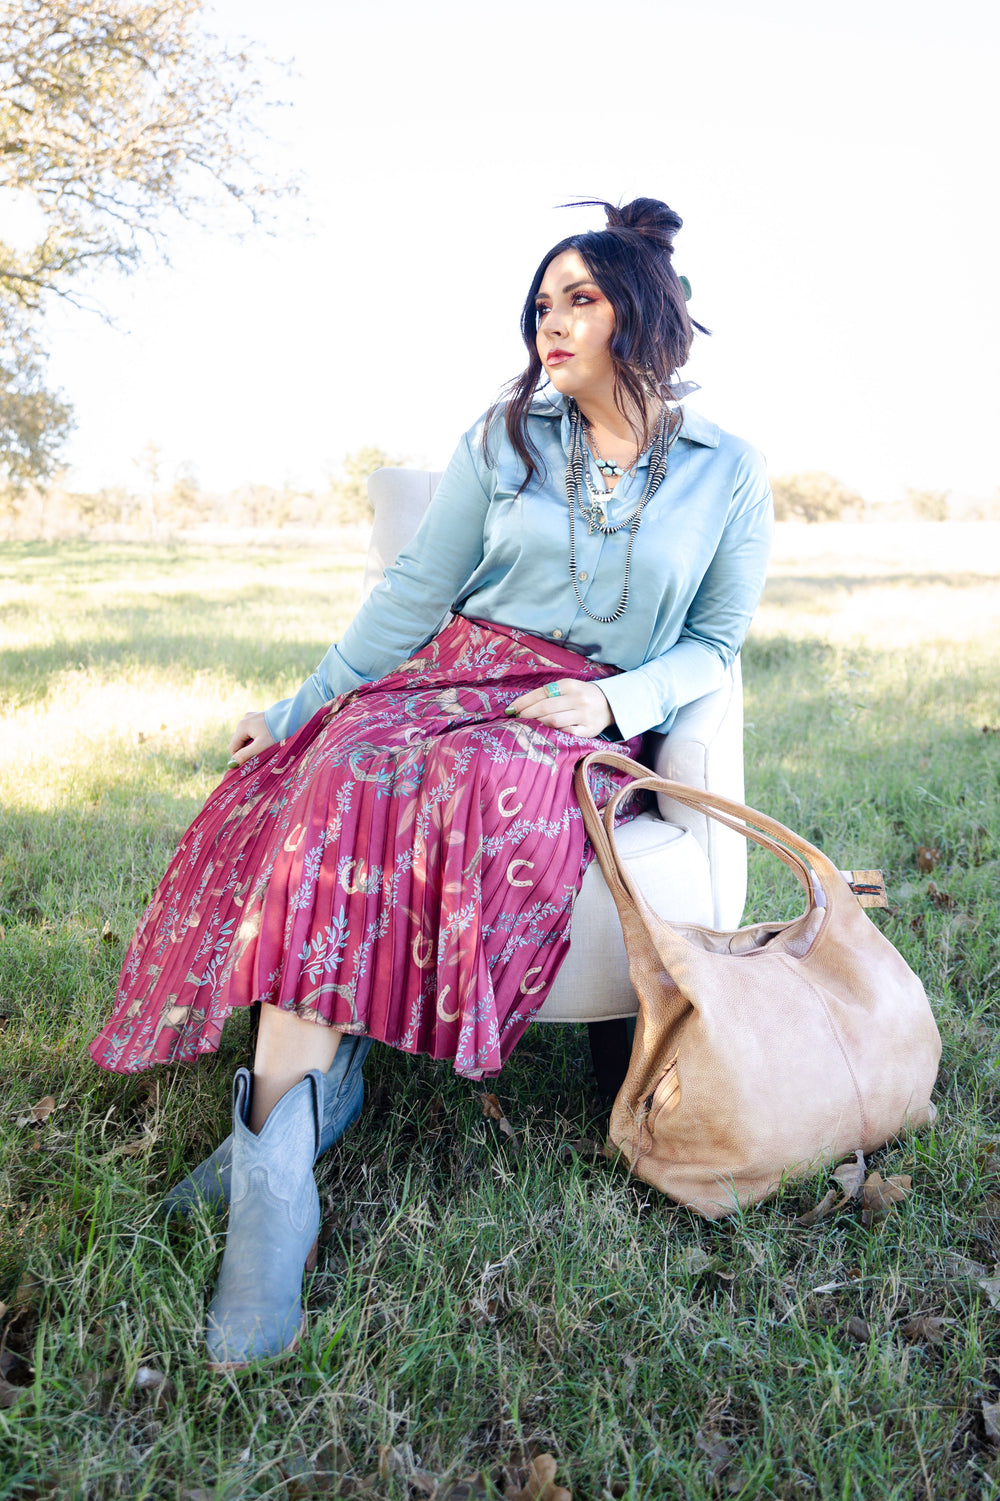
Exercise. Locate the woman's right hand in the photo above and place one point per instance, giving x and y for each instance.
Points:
(250, 737)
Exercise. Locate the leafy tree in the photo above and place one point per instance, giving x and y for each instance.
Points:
(112, 505)
(116, 119)
(928, 505)
(184, 504)
(349, 495)
(814, 496)
(34, 422)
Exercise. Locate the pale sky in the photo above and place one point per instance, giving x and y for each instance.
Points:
(835, 166)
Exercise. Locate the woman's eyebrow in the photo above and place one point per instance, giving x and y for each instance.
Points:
(570, 286)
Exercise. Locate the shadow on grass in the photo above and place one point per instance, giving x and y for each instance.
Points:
(155, 638)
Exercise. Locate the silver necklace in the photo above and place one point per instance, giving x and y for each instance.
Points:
(578, 483)
(608, 469)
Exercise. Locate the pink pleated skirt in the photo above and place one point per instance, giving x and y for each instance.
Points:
(404, 866)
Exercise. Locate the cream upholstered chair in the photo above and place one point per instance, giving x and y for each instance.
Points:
(689, 868)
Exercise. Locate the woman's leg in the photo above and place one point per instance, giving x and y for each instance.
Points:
(287, 1049)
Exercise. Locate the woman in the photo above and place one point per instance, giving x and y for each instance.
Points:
(396, 853)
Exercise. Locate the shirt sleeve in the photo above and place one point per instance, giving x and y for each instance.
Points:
(648, 697)
(404, 611)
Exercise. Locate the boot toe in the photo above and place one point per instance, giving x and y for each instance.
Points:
(233, 1342)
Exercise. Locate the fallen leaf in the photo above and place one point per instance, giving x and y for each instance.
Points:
(879, 1195)
(718, 1451)
(927, 858)
(938, 897)
(135, 1146)
(26, 1295)
(9, 1394)
(493, 1111)
(955, 1265)
(851, 1175)
(826, 1206)
(858, 1329)
(991, 1287)
(582, 1146)
(540, 1484)
(149, 1093)
(469, 1488)
(108, 935)
(924, 1326)
(693, 1260)
(991, 1420)
(400, 1460)
(36, 1114)
(480, 1312)
(13, 1365)
(989, 1149)
(366, 1488)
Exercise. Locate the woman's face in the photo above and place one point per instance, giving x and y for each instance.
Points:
(575, 324)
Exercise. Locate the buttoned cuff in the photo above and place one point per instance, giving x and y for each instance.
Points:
(333, 677)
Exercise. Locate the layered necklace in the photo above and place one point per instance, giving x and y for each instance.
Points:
(581, 491)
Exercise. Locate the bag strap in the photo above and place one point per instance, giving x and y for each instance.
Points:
(797, 853)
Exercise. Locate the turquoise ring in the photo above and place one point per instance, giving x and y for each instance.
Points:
(553, 690)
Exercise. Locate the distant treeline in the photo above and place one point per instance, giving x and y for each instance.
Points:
(158, 508)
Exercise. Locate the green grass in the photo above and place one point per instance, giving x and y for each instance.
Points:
(477, 1298)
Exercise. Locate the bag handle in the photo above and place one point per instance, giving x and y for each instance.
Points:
(790, 857)
(801, 856)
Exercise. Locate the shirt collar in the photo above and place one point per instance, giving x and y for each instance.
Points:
(548, 402)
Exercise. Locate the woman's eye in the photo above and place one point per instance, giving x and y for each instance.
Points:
(581, 299)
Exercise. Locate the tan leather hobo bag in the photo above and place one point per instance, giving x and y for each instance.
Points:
(764, 1053)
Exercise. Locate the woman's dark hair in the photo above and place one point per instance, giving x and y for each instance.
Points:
(630, 261)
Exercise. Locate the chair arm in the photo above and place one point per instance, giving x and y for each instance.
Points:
(705, 749)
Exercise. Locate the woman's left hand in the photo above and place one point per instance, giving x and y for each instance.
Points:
(579, 708)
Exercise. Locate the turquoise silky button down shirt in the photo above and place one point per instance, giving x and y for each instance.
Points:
(483, 550)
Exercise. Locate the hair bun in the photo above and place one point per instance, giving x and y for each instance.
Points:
(649, 217)
(646, 216)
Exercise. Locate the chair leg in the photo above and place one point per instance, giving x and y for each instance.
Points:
(610, 1049)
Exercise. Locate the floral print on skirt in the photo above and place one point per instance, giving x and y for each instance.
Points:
(404, 866)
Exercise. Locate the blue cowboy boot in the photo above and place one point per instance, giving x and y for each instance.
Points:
(342, 1099)
(256, 1313)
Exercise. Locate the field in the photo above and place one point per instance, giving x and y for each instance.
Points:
(483, 1299)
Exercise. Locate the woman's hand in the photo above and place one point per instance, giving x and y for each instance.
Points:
(580, 708)
(250, 737)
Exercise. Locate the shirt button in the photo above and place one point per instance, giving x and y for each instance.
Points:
(557, 635)
(582, 577)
